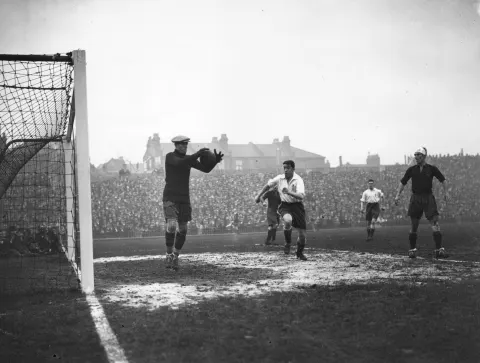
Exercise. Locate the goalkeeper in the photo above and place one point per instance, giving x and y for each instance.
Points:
(176, 195)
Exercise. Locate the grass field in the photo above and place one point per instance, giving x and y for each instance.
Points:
(234, 300)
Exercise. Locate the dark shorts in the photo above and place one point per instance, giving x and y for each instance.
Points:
(373, 211)
(182, 212)
(422, 203)
(272, 217)
(297, 211)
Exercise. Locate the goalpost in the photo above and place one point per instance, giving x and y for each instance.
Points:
(45, 202)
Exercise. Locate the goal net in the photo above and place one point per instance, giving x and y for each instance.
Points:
(45, 239)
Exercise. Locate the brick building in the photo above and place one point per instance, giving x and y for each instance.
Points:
(238, 157)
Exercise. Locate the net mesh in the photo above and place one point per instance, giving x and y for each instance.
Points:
(38, 205)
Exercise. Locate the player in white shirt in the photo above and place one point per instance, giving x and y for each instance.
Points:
(372, 198)
(291, 188)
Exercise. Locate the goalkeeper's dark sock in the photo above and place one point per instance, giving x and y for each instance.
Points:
(269, 235)
(169, 241)
(274, 234)
(412, 237)
(301, 241)
(288, 235)
(179, 240)
(437, 238)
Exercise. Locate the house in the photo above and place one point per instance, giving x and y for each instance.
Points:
(372, 164)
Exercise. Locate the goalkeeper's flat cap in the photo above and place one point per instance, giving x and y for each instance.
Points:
(421, 150)
(180, 138)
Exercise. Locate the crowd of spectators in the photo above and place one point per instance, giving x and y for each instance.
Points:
(23, 241)
(131, 205)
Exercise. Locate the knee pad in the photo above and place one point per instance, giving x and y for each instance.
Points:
(270, 227)
(182, 228)
(287, 227)
(171, 225)
(435, 227)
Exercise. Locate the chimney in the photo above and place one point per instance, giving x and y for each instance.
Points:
(214, 140)
(286, 141)
(340, 160)
(224, 143)
(275, 141)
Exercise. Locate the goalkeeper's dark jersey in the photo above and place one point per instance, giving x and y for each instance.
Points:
(273, 198)
(422, 181)
(177, 176)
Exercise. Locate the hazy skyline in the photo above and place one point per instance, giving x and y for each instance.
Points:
(339, 78)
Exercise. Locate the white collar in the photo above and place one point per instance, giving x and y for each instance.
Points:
(294, 176)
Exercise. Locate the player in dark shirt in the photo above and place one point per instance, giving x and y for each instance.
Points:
(422, 200)
(235, 222)
(176, 195)
(273, 199)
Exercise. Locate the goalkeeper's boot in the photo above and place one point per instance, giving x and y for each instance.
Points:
(168, 260)
(175, 262)
(441, 253)
(412, 253)
(286, 248)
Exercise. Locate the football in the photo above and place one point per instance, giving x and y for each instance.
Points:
(208, 159)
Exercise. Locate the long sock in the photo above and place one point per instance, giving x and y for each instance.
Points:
(368, 231)
(288, 235)
(269, 235)
(412, 237)
(437, 238)
(179, 240)
(372, 231)
(274, 234)
(169, 241)
(300, 244)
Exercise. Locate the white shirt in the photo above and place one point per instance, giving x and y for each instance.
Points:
(295, 185)
(372, 196)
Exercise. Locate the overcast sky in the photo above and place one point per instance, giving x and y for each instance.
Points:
(338, 77)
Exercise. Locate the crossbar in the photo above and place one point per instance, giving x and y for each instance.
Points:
(37, 58)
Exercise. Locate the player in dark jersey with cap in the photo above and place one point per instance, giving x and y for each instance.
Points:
(422, 200)
(176, 195)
